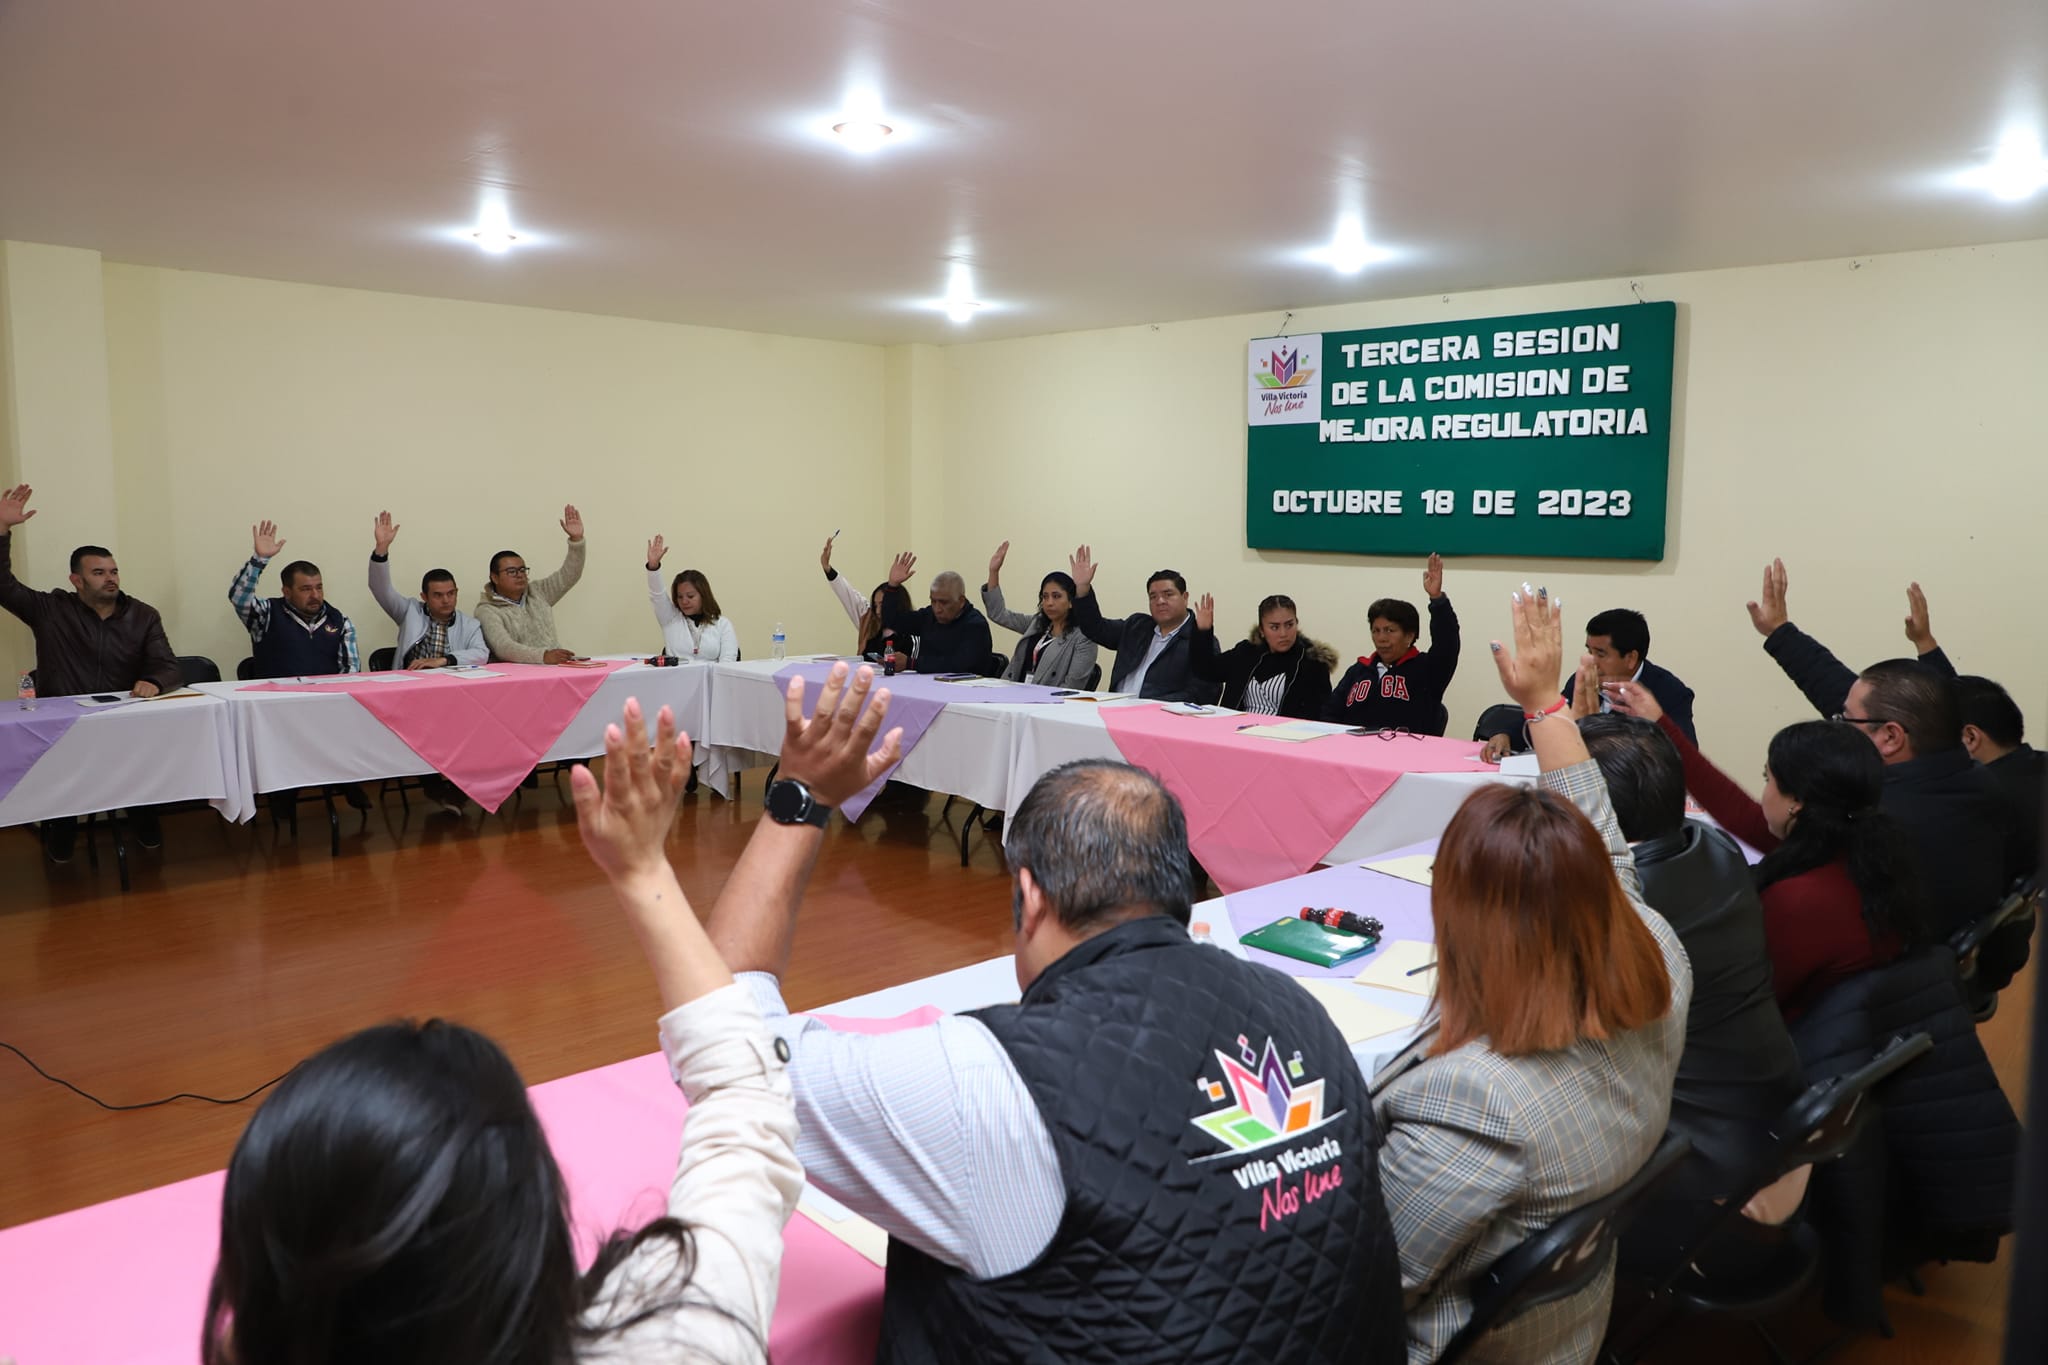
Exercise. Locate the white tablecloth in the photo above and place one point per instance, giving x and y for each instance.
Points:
(285, 740)
(146, 753)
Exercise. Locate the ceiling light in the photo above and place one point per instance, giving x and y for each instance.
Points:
(962, 310)
(2017, 171)
(862, 135)
(494, 240)
(1348, 252)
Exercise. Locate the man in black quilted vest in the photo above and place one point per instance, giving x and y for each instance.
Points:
(1161, 1153)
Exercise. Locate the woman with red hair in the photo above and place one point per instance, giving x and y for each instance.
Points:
(1541, 1078)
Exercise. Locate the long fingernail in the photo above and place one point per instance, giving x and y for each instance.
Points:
(1514, 597)
(1496, 646)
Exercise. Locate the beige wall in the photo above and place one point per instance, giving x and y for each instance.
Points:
(236, 399)
(1872, 421)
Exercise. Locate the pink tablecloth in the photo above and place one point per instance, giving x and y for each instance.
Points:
(1259, 809)
(124, 1282)
(483, 734)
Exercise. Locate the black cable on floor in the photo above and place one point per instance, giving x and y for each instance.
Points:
(150, 1104)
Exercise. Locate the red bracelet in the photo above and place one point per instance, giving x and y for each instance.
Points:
(1549, 710)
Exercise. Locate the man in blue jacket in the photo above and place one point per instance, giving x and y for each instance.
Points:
(1619, 641)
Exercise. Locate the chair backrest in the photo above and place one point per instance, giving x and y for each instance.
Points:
(1439, 721)
(1505, 719)
(1824, 1121)
(2023, 900)
(382, 659)
(1564, 1258)
(197, 668)
(993, 666)
(245, 670)
(1094, 678)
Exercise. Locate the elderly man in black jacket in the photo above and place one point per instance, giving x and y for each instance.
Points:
(1153, 648)
(1908, 708)
(1739, 1069)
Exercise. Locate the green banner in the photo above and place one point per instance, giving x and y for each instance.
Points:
(1547, 434)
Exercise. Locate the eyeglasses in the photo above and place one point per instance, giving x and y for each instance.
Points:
(1847, 719)
(519, 572)
(1389, 735)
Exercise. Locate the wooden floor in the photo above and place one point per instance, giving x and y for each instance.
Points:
(239, 952)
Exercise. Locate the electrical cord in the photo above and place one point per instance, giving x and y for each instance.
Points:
(148, 1104)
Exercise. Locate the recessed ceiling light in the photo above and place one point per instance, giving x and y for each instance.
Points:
(1348, 252)
(962, 310)
(2017, 171)
(495, 241)
(862, 135)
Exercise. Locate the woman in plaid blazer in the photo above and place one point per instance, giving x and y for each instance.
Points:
(1541, 1079)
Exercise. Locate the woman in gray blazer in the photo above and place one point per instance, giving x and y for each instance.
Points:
(1052, 653)
(1541, 1078)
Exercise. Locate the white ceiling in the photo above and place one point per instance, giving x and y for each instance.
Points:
(1099, 163)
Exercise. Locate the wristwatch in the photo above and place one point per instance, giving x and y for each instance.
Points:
(790, 802)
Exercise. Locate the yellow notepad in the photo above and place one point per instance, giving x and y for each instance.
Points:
(1356, 1017)
(1390, 966)
(1415, 867)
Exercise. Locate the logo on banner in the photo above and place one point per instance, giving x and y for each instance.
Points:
(1283, 387)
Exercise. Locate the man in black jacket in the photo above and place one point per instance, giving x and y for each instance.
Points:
(1994, 733)
(1739, 1069)
(1619, 642)
(952, 637)
(1153, 648)
(1907, 707)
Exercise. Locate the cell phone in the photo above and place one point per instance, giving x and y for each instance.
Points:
(107, 696)
(955, 677)
(1067, 692)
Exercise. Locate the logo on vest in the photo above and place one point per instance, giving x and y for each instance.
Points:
(1271, 1101)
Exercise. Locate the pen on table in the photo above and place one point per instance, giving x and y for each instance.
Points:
(1418, 971)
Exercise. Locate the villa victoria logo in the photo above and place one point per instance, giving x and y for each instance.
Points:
(1283, 388)
(1270, 1100)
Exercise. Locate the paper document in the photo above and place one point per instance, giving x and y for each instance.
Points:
(981, 682)
(105, 699)
(1190, 708)
(465, 673)
(1519, 765)
(1415, 867)
(1390, 967)
(1355, 1017)
(843, 1223)
(1290, 732)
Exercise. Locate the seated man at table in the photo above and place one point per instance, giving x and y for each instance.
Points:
(94, 638)
(1154, 648)
(518, 617)
(1105, 1170)
(1619, 642)
(952, 637)
(1739, 1069)
(432, 631)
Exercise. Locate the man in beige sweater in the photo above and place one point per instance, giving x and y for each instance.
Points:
(518, 616)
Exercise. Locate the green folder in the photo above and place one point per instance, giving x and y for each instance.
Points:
(1305, 941)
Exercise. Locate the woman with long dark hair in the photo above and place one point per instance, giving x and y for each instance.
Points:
(1540, 1080)
(396, 1201)
(1274, 671)
(1837, 880)
(1052, 653)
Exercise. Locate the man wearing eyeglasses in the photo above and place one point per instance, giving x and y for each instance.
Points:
(517, 611)
(1909, 709)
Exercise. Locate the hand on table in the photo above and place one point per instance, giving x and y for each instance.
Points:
(1497, 748)
(146, 688)
(558, 656)
(829, 753)
(418, 664)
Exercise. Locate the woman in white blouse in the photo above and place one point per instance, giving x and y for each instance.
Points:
(692, 627)
(395, 1199)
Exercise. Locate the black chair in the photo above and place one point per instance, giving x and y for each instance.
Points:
(381, 660)
(2011, 922)
(1505, 719)
(993, 666)
(1438, 722)
(1781, 1263)
(1094, 678)
(1565, 1258)
(197, 668)
(245, 671)
(89, 823)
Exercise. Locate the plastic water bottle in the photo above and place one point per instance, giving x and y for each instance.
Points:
(778, 643)
(27, 692)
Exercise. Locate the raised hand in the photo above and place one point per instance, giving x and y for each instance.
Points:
(1768, 614)
(1530, 671)
(825, 555)
(657, 548)
(625, 820)
(829, 752)
(1082, 566)
(1205, 612)
(1918, 628)
(1586, 691)
(899, 572)
(1634, 699)
(384, 530)
(14, 508)
(572, 522)
(995, 564)
(1433, 577)
(268, 545)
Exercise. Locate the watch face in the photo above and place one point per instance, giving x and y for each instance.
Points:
(788, 801)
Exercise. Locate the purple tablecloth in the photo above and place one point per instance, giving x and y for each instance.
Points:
(914, 703)
(26, 735)
(1400, 905)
